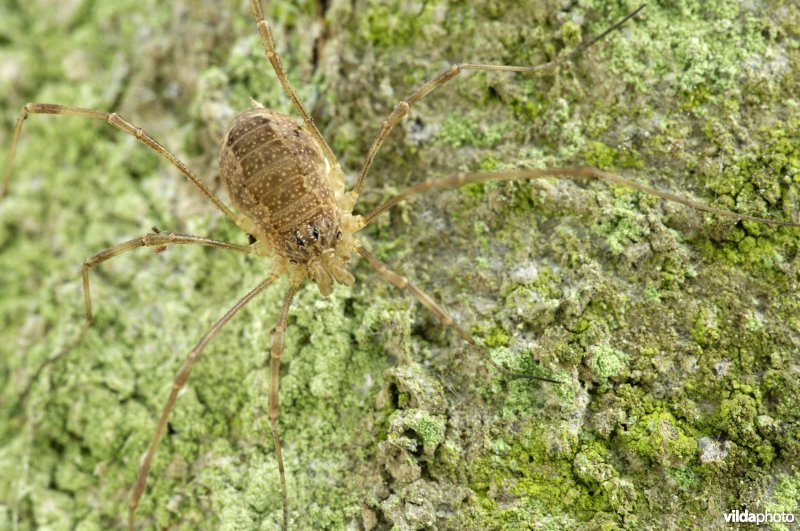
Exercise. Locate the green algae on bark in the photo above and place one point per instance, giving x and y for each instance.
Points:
(677, 334)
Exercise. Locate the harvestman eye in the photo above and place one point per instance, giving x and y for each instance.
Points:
(251, 187)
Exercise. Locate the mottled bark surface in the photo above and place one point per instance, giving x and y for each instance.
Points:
(677, 334)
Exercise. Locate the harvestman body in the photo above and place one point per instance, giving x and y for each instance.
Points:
(289, 187)
(277, 175)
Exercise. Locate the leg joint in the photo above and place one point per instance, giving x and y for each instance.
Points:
(402, 108)
(117, 121)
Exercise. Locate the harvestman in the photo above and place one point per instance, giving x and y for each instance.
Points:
(289, 186)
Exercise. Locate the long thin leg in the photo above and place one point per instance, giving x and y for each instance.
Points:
(446, 75)
(159, 240)
(580, 172)
(177, 385)
(118, 122)
(275, 61)
(436, 309)
(274, 386)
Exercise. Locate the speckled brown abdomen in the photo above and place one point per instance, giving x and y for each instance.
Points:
(277, 176)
